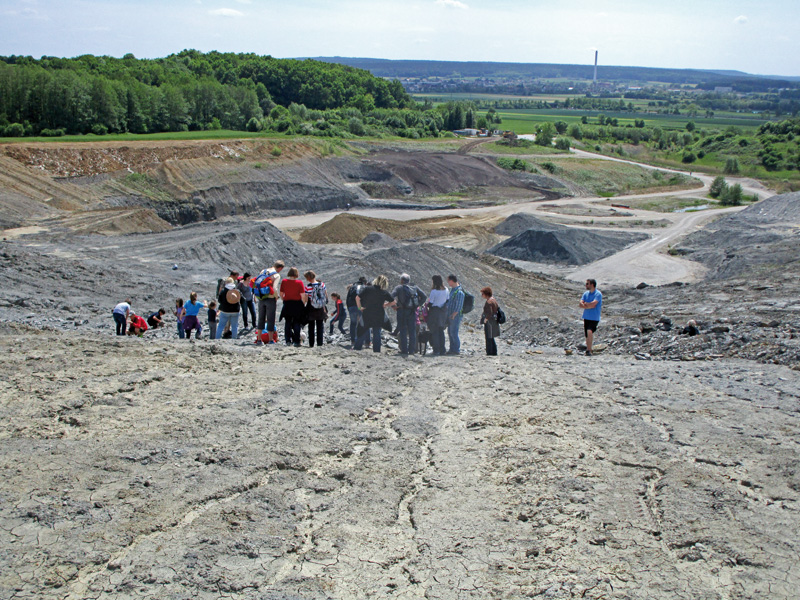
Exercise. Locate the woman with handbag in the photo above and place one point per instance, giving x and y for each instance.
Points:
(491, 328)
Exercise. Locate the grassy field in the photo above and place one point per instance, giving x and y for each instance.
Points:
(526, 120)
(607, 179)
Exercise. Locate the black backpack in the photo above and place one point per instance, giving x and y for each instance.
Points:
(352, 292)
(413, 297)
(500, 316)
(469, 302)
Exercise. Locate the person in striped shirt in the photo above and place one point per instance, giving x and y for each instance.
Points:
(454, 305)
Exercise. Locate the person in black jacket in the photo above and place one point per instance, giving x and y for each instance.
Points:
(228, 308)
(408, 298)
(371, 301)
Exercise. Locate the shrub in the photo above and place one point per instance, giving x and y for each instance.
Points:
(253, 124)
(731, 166)
(688, 157)
(549, 167)
(99, 129)
(732, 196)
(276, 151)
(562, 143)
(52, 132)
(356, 126)
(718, 187)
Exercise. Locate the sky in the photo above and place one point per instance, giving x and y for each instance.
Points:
(744, 35)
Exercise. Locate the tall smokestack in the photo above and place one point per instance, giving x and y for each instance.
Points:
(595, 67)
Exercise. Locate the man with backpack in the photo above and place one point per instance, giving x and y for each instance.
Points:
(409, 298)
(266, 288)
(352, 308)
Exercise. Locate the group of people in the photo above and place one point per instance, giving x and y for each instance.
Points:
(421, 318)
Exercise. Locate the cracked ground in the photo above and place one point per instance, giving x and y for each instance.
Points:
(152, 469)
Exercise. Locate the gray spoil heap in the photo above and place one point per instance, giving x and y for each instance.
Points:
(762, 239)
(535, 240)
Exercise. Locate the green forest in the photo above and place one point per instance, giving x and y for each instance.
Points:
(182, 92)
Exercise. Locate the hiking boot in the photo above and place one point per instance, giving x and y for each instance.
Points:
(588, 353)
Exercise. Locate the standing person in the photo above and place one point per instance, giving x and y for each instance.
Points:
(192, 319)
(591, 303)
(339, 315)
(247, 302)
(156, 319)
(268, 302)
(454, 305)
(228, 308)
(316, 309)
(371, 302)
(352, 308)
(437, 314)
(121, 312)
(293, 294)
(212, 320)
(408, 298)
(491, 328)
(179, 314)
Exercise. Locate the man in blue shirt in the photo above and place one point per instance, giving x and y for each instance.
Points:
(454, 305)
(591, 302)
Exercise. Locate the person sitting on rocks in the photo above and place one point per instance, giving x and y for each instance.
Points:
(138, 325)
(156, 319)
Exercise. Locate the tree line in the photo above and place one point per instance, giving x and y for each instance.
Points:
(185, 91)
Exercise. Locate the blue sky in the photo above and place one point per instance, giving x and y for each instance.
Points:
(750, 36)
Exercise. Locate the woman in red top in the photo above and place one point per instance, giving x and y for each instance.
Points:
(293, 294)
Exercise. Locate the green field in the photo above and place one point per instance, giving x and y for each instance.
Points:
(525, 120)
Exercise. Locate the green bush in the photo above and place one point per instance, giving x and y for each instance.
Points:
(52, 132)
(99, 129)
(562, 143)
(276, 151)
(718, 187)
(14, 130)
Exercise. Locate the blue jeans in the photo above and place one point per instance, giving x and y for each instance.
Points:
(376, 339)
(181, 334)
(224, 319)
(407, 330)
(121, 322)
(341, 319)
(353, 312)
(452, 334)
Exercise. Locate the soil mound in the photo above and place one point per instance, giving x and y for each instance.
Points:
(111, 222)
(762, 238)
(535, 240)
(430, 173)
(346, 228)
(519, 222)
(379, 240)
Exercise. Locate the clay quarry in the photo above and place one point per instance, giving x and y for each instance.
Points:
(667, 465)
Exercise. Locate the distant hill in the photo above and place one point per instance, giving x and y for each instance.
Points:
(435, 68)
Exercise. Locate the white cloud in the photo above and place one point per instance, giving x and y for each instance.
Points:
(226, 12)
(740, 20)
(452, 4)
